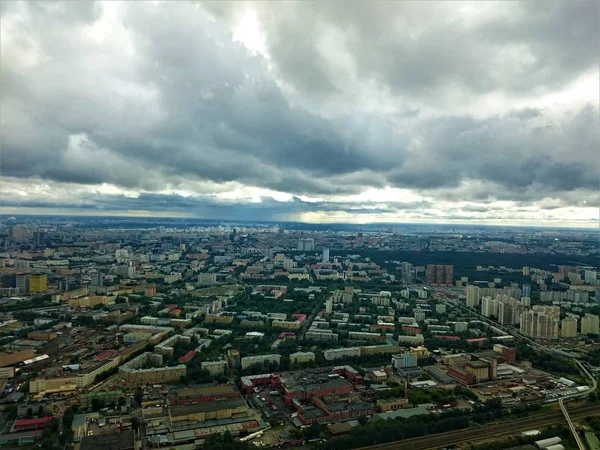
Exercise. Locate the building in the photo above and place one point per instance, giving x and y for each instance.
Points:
(548, 326)
(509, 354)
(460, 327)
(31, 424)
(124, 440)
(321, 335)
(204, 394)
(419, 315)
(407, 273)
(568, 327)
(404, 360)
(135, 337)
(392, 404)
(248, 361)
(148, 368)
(22, 282)
(167, 347)
(341, 353)
(590, 324)
(302, 357)
(457, 360)
(214, 367)
(38, 284)
(417, 339)
(207, 278)
(41, 335)
(473, 296)
(306, 244)
(329, 305)
(97, 279)
(11, 358)
(325, 255)
(591, 277)
(440, 308)
(489, 307)
(89, 301)
(448, 275)
(505, 312)
(539, 325)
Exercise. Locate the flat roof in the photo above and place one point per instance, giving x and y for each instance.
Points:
(113, 441)
(201, 391)
(404, 413)
(182, 410)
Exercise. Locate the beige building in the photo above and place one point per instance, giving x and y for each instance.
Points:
(54, 385)
(392, 404)
(457, 361)
(590, 324)
(301, 357)
(568, 327)
(473, 296)
(89, 301)
(136, 372)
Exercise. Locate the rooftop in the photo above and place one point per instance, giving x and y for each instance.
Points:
(182, 410)
(116, 441)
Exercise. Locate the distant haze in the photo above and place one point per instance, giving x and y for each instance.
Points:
(355, 112)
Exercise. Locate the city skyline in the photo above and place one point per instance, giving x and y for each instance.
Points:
(310, 112)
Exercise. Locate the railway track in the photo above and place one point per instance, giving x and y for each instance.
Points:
(472, 434)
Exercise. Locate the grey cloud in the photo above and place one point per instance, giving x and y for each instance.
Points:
(431, 49)
(174, 100)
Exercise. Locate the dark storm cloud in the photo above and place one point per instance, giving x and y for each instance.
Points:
(162, 97)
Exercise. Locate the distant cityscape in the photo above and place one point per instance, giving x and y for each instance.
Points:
(172, 334)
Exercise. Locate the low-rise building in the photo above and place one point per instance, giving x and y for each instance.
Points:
(302, 357)
(248, 361)
(214, 367)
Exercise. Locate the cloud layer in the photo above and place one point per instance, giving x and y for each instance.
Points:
(303, 111)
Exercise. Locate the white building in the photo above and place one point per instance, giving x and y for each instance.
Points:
(325, 255)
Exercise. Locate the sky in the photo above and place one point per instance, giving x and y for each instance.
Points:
(325, 111)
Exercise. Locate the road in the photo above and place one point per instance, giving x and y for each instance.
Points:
(474, 434)
(309, 320)
(571, 426)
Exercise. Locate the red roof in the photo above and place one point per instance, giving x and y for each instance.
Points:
(285, 334)
(448, 338)
(476, 340)
(300, 317)
(104, 355)
(189, 355)
(23, 424)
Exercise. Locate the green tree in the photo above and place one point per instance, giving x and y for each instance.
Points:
(314, 431)
(67, 419)
(135, 423)
(138, 396)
